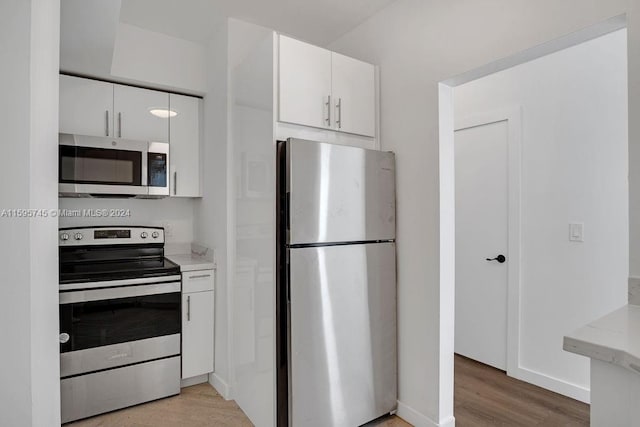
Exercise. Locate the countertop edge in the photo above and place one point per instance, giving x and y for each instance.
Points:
(617, 356)
(189, 262)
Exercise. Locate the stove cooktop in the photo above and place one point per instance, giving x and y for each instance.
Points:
(98, 254)
(116, 270)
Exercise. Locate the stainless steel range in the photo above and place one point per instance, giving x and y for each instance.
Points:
(120, 319)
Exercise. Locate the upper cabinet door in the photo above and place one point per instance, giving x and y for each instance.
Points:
(305, 84)
(133, 118)
(86, 106)
(354, 95)
(184, 139)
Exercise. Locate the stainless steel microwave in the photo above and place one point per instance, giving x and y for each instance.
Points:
(98, 166)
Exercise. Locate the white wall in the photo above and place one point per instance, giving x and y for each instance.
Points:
(212, 211)
(175, 214)
(87, 36)
(418, 44)
(252, 286)
(95, 43)
(29, 372)
(574, 169)
(43, 173)
(235, 123)
(157, 59)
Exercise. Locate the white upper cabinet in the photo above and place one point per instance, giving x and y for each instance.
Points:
(184, 139)
(86, 106)
(354, 95)
(96, 108)
(324, 89)
(133, 119)
(305, 84)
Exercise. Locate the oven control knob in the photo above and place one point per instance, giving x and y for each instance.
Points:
(155, 234)
(64, 338)
(64, 236)
(143, 234)
(78, 236)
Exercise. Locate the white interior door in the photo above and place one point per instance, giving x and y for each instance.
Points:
(481, 164)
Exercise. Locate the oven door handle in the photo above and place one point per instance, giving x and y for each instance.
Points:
(115, 293)
(123, 282)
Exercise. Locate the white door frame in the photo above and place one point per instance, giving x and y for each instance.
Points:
(446, 163)
(513, 117)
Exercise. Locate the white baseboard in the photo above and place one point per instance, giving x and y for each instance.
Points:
(188, 382)
(220, 385)
(554, 384)
(417, 419)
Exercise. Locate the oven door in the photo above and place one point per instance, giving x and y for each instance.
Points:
(98, 165)
(110, 327)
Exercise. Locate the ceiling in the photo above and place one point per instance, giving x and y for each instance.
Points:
(316, 21)
(96, 35)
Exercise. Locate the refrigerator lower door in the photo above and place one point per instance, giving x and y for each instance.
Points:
(343, 334)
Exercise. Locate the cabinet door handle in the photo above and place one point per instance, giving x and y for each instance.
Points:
(188, 308)
(339, 108)
(200, 276)
(175, 183)
(106, 122)
(119, 125)
(328, 104)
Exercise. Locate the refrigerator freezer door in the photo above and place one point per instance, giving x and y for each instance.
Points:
(343, 334)
(339, 193)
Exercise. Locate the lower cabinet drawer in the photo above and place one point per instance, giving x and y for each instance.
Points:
(92, 394)
(198, 281)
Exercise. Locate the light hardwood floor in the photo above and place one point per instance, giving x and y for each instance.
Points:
(197, 406)
(485, 396)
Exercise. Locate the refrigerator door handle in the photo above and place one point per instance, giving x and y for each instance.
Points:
(287, 287)
(288, 210)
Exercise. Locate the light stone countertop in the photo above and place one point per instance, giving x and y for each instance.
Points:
(614, 338)
(192, 262)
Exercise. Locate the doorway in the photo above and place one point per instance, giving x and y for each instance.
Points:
(487, 157)
(522, 202)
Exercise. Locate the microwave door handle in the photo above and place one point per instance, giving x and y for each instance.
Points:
(145, 167)
(175, 183)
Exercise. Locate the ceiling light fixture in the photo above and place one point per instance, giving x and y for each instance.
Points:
(163, 113)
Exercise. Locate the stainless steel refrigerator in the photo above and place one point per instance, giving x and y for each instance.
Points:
(336, 293)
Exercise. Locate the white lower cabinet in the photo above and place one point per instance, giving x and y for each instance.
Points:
(197, 322)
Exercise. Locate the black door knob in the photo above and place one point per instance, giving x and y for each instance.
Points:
(500, 258)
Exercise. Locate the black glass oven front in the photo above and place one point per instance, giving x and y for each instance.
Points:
(117, 320)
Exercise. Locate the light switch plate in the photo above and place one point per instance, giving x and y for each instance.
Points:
(576, 232)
